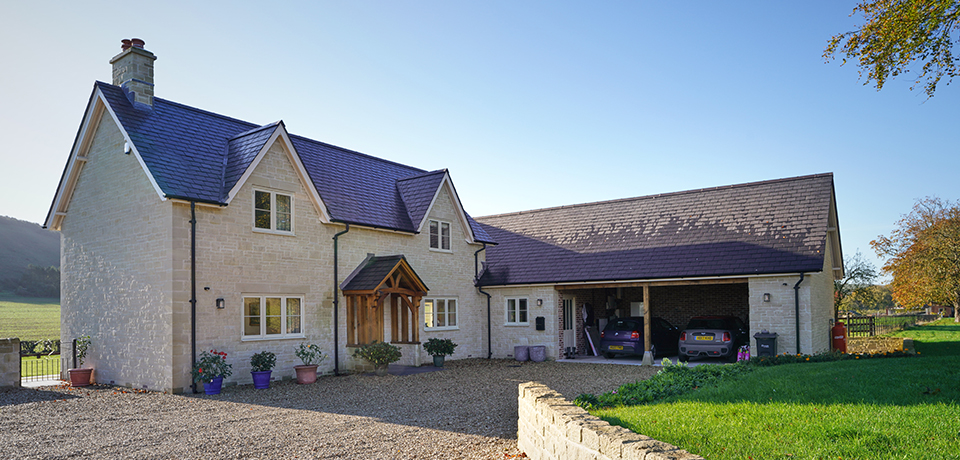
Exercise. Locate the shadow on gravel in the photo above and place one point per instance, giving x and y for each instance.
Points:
(17, 396)
(472, 396)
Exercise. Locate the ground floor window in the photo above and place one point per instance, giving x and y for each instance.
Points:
(440, 313)
(516, 311)
(272, 317)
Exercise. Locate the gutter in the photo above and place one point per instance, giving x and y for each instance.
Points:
(480, 289)
(193, 291)
(796, 298)
(336, 302)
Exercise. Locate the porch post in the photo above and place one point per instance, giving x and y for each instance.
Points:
(647, 319)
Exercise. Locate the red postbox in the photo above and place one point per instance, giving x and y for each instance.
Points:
(839, 334)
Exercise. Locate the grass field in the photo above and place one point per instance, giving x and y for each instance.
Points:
(29, 318)
(35, 366)
(895, 408)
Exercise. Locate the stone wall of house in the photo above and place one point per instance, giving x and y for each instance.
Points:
(550, 427)
(505, 337)
(116, 267)
(9, 363)
(233, 260)
(779, 315)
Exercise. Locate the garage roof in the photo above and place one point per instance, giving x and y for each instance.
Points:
(777, 226)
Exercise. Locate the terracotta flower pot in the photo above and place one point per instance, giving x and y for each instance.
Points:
(306, 374)
(79, 377)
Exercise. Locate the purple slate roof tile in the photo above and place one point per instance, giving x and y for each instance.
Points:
(371, 272)
(418, 192)
(777, 226)
(195, 154)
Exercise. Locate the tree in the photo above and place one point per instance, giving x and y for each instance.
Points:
(39, 282)
(924, 255)
(897, 34)
(855, 287)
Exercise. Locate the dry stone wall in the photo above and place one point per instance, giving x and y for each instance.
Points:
(550, 427)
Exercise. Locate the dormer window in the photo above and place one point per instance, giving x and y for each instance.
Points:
(272, 212)
(439, 235)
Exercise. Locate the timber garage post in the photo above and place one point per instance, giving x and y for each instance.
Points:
(647, 319)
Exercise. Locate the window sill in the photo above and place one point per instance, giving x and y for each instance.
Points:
(516, 324)
(447, 251)
(260, 339)
(273, 232)
(439, 329)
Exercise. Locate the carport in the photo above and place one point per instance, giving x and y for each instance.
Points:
(675, 301)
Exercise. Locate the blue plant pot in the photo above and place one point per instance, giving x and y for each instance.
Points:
(261, 379)
(213, 387)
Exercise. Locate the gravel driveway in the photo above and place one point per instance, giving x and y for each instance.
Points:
(467, 410)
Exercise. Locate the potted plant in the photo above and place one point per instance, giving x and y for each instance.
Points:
(438, 348)
(80, 377)
(380, 354)
(261, 366)
(211, 369)
(311, 356)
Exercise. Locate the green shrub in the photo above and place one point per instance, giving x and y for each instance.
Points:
(310, 354)
(263, 361)
(822, 357)
(379, 353)
(439, 347)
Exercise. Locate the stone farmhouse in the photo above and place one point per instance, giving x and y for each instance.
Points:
(183, 230)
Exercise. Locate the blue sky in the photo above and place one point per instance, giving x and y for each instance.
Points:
(529, 104)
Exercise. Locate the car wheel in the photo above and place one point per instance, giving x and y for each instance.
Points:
(608, 355)
(732, 358)
(653, 350)
(683, 358)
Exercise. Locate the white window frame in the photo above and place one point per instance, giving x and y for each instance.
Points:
(506, 311)
(273, 212)
(440, 225)
(262, 319)
(447, 315)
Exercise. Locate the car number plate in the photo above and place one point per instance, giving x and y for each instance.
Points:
(704, 337)
(616, 347)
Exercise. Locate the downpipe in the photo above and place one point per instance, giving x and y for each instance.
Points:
(476, 281)
(193, 291)
(796, 298)
(336, 302)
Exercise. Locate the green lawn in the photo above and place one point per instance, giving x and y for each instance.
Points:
(29, 318)
(893, 408)
(43, 365)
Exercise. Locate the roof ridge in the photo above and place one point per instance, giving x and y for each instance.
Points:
(658, 195)
(428, 173)
(346, 150)
(254, 130)
(191, 108)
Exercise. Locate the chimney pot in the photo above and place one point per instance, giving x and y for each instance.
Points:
(125, 44)
(137, 42)
(133, 71)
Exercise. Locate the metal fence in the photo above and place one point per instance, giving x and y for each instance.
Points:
(869, 326)
(39, 360)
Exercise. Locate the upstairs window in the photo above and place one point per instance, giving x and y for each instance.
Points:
(272, 212)
(439, 235)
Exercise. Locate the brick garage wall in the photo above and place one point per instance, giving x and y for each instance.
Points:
(9, 363)
(550, 427)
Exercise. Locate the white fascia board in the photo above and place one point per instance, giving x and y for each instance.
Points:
(133, 148)
(78, 157)
(280, 134)
(587, 284)
(461, 214)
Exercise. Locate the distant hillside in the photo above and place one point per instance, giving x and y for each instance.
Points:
(24, 243)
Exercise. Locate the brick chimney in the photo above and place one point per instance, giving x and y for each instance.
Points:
(133, 71)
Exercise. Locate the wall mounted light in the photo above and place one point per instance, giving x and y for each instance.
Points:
(539, 302)
(766, 297)
(220, 303)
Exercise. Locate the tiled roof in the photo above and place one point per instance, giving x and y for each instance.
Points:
(195, 154)
(371, 272)
(418, 192)
(777, 226)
